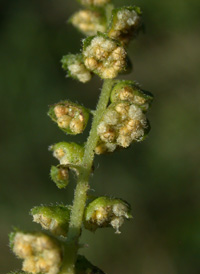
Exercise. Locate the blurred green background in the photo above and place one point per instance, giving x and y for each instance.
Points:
(159, 177)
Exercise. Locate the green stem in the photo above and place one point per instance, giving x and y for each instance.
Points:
(81, 190)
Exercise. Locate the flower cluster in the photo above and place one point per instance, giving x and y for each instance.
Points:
(73, 64)
(131, 92)
(68, 153)
(40, 252)
(106, 212)
(124, 121)
(121, 124)
(104, 56)
(70, 117)
(53, 218)
(89, 22)
(125, 24)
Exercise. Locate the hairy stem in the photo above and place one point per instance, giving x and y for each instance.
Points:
(80, 197)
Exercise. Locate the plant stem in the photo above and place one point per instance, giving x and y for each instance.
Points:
(80, 197)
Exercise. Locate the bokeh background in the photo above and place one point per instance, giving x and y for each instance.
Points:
(159, 177)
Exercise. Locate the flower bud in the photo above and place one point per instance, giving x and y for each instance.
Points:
(83, 266)
(68, 153)
(130, 91)
(73, 64)
(104, 56)
(97, 3)
(40, 252)
(106, 212)
(89, 22)
(122, 123)
(60, 175)
(70, 117)
(125, 24)
(53, 218)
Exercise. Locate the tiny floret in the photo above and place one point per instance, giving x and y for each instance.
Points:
(53, 218)
(89, 22)
(40, 252)
(104, 56)
(106, 212)
(73, 64)
(125, 24)
(70, 117)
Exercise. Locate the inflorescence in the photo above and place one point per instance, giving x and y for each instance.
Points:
(123, 122)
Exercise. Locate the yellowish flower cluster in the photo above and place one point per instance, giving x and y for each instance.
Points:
(75, 67)
(106, 212)
(39, 251)
(130, 91)
(104, 56)
(122, 124)
(70, 117)
(89, 22)
(125, 24)
(54, 218)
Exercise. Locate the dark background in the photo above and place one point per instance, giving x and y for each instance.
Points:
(159, 177)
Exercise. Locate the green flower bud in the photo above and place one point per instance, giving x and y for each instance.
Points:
(106, 212)
(125, 24)
(130, 91)
(68, 153)
(97, 3)
(83, 266)
(89, 22)
(122, 124)
(60, 175)
(53, 218)
(73, 64)
(70, 117)
(104, 56)
(40, 252)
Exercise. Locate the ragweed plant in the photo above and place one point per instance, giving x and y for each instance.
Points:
(118, 122)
